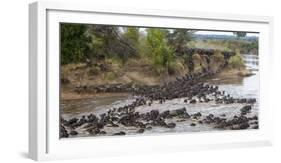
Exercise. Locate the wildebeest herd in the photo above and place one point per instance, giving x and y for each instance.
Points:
(190, 87)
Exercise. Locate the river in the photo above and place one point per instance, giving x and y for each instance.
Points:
(240, 87)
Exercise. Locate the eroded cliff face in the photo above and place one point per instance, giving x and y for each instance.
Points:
(204, 62)
(136, 72)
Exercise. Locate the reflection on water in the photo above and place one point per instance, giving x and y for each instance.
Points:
(240, 87)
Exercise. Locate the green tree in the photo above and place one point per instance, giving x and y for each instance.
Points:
(179, 38)
(132, 34)
(112, 43)
(75, 43)
(161, 53)
(132, 37)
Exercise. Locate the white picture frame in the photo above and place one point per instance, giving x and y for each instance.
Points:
(44, 18)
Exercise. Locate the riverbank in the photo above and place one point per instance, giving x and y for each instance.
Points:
(90, 91)
(82, 80)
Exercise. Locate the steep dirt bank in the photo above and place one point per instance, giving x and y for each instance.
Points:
(139, 72)
(79, 80)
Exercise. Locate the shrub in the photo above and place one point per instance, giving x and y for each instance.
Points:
(236, 61)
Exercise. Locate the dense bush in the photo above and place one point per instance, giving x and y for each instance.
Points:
(90, 43)
(236, 61)
(75, 44)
